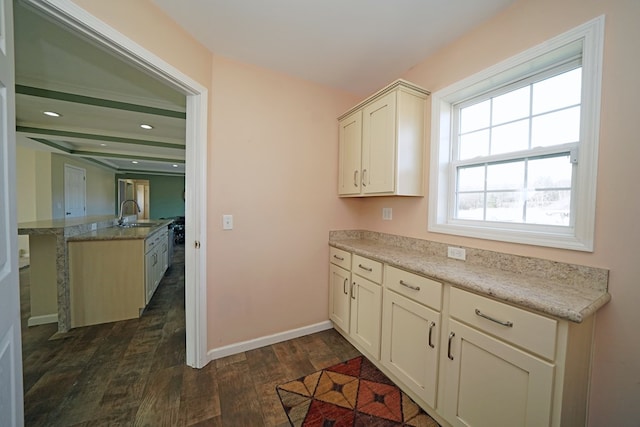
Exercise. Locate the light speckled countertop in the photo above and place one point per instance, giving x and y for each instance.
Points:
(565, 291)
(119, 233)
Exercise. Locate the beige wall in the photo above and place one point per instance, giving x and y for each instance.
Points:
(26, 190)
(272, 164)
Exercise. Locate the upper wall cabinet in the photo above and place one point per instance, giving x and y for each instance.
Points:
(382, 144)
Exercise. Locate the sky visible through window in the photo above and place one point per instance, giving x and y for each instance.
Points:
(498, 177)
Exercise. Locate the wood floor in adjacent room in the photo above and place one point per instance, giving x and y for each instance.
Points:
(133, 372)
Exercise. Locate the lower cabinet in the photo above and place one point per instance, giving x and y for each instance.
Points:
(468, 360)
(339, 296)
(366, 310)
(490, 383)
(410, 343)
(156, 262)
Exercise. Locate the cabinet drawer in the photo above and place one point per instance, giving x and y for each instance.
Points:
(530, 331)
(418, 288)
(340, 257)
(367, 268)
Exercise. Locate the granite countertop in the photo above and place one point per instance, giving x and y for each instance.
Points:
(64, 222)
(120, 233)
(561, 294)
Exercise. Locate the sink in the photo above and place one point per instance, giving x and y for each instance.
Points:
(138, 224)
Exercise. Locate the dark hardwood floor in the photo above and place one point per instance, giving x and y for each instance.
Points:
(133, 372)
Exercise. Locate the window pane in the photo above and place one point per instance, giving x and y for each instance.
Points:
(504, 206)
(511, 137)
(556, 128)
(560, 91)
(554, 172)
(549, 207)
(505, 176)
(511, 106)
(474, 145)
(471, 179)
(470, 206)
(475, 117)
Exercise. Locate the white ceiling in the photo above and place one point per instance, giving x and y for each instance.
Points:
(357, 46)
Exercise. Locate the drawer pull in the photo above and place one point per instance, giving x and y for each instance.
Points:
(365, 268)
(353, 295)
(500, 322)
(405, 284)
(344, 286)
(449, 355)
(339, 258)
(431, 326)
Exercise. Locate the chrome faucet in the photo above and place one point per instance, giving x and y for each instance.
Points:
(120, 217)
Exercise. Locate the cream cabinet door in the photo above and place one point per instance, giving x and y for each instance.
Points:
(379, 145)
(366, 314)
(339, 301)
(350, 154)
(410, 335)
(490, 383)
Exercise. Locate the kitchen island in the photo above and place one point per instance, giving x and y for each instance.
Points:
(49, 289)
(49, 260)
(114, 272)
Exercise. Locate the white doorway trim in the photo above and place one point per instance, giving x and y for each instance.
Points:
(80, 21)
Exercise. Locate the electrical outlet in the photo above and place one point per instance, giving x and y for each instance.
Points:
(387, 214)
(456, 253)
(227, 222)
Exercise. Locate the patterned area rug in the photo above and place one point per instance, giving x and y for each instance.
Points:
(353, 393)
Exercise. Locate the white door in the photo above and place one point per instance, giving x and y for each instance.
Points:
(75, 191)
(11, 411)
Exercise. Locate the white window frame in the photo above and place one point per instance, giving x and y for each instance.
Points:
(587, 39)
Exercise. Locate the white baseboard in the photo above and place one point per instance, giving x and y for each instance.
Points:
(228, 350)
(42, 320)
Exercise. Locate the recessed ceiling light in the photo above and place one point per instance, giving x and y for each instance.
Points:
(103, 145)
(175, 166)
(135, 162)
(51, 114)
(146, 126)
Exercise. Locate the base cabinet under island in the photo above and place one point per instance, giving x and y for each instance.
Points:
(468, 360)
(112, 280)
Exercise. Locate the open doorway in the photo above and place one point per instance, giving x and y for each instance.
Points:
(69, 15)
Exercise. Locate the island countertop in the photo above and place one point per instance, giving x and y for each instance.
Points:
(120, 233)
(566, 291)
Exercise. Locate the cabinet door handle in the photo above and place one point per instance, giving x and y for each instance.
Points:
(344, 286)
(406, 285)
(355, 178)
(451, 335)
(353, 295)
(364, 177)
(369, 269)
(431, 326)
(500, 322)
(339, 258)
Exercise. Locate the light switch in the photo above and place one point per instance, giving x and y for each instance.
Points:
(227, 222)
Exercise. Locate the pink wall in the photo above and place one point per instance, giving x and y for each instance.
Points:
(274, 167)
(615, 391)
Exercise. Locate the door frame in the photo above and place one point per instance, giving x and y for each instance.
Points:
(80, 21)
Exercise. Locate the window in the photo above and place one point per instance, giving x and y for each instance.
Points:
(514, 148)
